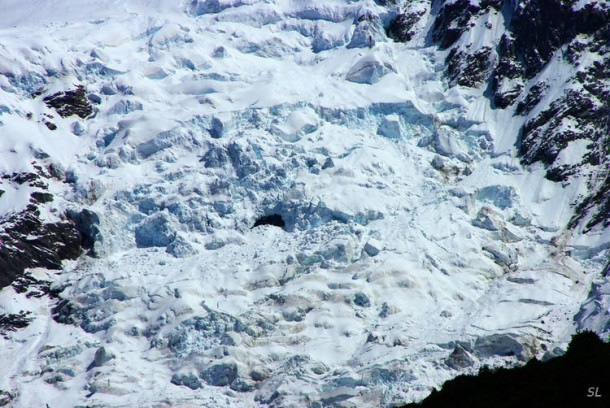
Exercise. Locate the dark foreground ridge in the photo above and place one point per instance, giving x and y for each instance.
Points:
(580, 378)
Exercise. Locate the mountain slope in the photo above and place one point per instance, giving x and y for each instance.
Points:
(294, 203)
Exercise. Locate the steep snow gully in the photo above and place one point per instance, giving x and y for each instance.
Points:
(242, 203)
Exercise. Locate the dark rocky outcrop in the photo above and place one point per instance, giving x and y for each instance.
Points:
(533, 97)
(22, 178)
(13, 322)
(579, 114)
(536, 31)
(597, 203)
(543, 137)
(401, 27)
(451, 21)
(509, 71)
(465, 66)
(72, 102)
(39, 197)
(541, 27)
(66, 312)
(470, 70)
(6, 397)
(32, 287)
(27, 242)
(571, 380)
(582, 111)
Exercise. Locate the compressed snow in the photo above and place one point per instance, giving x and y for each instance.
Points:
(409, 223)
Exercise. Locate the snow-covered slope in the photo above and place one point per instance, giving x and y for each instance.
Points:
(422, 235)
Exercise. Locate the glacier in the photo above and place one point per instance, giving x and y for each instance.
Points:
(417, 244)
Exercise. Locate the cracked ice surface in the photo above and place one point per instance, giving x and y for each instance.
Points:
(410, 226)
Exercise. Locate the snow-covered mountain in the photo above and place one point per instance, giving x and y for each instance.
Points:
(296, 203)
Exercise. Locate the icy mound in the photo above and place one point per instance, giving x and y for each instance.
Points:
(279, 205)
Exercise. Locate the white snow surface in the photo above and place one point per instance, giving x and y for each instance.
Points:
(425, 229)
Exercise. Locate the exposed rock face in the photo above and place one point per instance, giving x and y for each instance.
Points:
(13, 322)
(385, 242)
(581, 113)
(598, 203)
(553, 23)
(27, 242)
(6, 397)
(511, 69)
(72, 102)
(533, 97)
(453, 19)
(52, 243)
(402, 27)
(470, 70)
